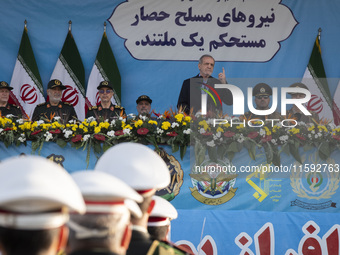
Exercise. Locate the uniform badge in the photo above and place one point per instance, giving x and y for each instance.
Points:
(262, 90)
(112, 108)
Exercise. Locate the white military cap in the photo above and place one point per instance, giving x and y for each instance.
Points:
(137, 165)
(162, 213)
(36, 193)
(104, 193)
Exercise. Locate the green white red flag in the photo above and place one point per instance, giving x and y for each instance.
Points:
(69, 69)
(315, 79)
(104, 68)
(26, 81)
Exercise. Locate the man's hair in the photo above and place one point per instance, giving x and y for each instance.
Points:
(28, 242)
(205, 56)
(158, 232)
(115, 224)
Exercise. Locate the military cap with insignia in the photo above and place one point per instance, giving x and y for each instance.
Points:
(262, 89)
(55, 84)
(143, 98)
(105, 84)
(162, 213)
(4, 85)
(36, 194)
(298, 85)
(137, 165)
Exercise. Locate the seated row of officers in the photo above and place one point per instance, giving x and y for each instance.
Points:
(108, 111)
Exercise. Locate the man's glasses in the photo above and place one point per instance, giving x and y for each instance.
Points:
(105, 91)
(260, 97)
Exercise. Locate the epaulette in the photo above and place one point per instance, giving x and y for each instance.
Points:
(93, 108)
(119, 107)
(67, 103)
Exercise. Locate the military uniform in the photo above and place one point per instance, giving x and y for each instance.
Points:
(45, 111)
(10, 109)
(101, 114)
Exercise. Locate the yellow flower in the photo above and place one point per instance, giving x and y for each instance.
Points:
(138, 123)
(179, 117)
(97, 130)
(294, 131)
(127, 126)
(93, 123)
(219, 129)
(152, 122)
(240, 126)
(187, 118)
(268, 132)
(166, 125)
(104, 125)
(322, 128)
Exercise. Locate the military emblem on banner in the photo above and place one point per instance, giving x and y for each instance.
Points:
(213, 182)
(176, 175)
(317, 182)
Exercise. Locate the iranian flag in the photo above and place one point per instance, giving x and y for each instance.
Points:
(70, 71)
(315, 79)
(336, 106)
(104, 68)
(26, 82)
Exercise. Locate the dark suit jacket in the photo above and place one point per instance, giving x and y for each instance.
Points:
(140, 243)
(190, 95)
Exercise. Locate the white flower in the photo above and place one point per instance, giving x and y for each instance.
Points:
(57, 118)
(217, 136)
(39, 122)
(1, 129)
(86, 137)
(160, 117)
(273, 141)
(22, 138)
(67, 133)
(283, 138)
(113, 122)
(48, 136)
(142, 117)
(211, 143)
(126, 131)
(202, 130)
(20, 121)
(90, 119)
(111, 133)
(159, 131)
(262, 132)
(174, 124)
(187, 131)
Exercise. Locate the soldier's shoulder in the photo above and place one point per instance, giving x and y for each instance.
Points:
(14, 106)
(93, 108)
(67, 104)
(119, 107)
(42, 104)
(164, 248)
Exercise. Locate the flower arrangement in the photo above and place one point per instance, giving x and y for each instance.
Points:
(222, 139)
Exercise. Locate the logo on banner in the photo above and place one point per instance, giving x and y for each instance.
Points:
(316, 182)
(213, 183)
(70, 95)
(59, 159)
(176, 175)
(315, 104)
(28, 94)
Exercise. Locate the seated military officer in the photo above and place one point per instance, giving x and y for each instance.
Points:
(295, 112)
(5, 107)
(105, 110)
(144, 105)
(54, 107)
(262, 93)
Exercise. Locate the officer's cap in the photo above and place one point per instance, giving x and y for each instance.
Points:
(143, 98)
(36, 193)
(104, 193)
(55, 84)
(298, 85)
(137, 165)
(262, 89)
(162, 213)
(4, 85)
(105, 84)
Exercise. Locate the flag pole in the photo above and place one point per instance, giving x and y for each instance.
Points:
(319, 33)
(104, 26)
(25, 24)
(69, 26)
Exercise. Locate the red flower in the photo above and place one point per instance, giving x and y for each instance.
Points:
(336, 137)
(119, 132)
(8, 129)
(253, 135)
(229, 134)
(301, 137)
(99, 137)
(142, 131)
(57, 131)
(173, 133)
(36, 132)
(266, 138)
(76, 138)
